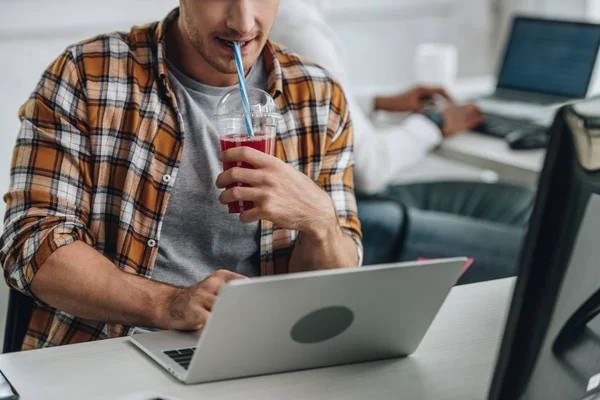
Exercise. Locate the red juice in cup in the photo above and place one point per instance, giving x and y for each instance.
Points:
(260, 141)
(232, 124)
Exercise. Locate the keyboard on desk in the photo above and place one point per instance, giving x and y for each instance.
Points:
(182, 357)
(499, 126)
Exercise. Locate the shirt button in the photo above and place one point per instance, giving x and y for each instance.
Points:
(151, 243)
(166, 178)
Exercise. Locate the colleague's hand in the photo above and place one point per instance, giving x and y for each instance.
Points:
(281, 194)
(461, 118)
(189, 309)
(414, 100)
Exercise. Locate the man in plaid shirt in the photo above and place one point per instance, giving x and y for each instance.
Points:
(115, 214)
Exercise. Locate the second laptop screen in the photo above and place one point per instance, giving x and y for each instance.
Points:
(550, 57)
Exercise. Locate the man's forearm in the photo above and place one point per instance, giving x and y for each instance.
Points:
(382, 103)
(333, 250)
(80, 281)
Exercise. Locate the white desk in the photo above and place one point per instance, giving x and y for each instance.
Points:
(455, 361)
(473, 156)
(489, 153)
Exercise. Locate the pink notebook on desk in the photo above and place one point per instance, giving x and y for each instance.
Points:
(465, 268)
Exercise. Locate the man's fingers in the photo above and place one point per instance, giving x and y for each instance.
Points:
(474, 121)
(469, 111)
(254, 157)
(213, 283)
(199, 300)
(478, 114)
(226, 275)
(234, 175)
(240, 193)
(250, 216)
(473, 107)
(474, 116)
(478, 120)
(194, 319)
(475, 112)
(207, 300)
(444, 94)
(201, 317)
(431, 91)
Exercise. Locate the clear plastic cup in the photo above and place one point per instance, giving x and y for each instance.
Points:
(231, 124)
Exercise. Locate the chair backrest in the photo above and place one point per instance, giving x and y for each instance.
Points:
(20, 308)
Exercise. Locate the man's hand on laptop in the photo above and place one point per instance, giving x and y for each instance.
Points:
(188, 309)
(461, 118)
(281, 194)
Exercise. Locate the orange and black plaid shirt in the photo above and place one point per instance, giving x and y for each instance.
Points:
(99, 135)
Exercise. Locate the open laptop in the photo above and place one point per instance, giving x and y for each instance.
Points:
(308, 320)
(546, 62)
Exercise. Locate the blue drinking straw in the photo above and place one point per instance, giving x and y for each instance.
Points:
(242, 83)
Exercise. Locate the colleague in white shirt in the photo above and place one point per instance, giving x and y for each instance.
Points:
(406, 221)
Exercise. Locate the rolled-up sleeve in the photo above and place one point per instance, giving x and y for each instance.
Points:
(48, 201)
(336, 176)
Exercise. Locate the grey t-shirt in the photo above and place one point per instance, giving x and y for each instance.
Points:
(198, 235)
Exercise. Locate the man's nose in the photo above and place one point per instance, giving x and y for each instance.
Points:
(241, 17)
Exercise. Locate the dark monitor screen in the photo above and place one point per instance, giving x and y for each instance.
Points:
(552, 57)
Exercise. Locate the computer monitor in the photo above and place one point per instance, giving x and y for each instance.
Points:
(551, 344)
(550, 57)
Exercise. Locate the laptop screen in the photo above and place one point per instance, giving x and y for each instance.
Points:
(552, 57)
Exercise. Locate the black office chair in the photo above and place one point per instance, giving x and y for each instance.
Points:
(20, 308)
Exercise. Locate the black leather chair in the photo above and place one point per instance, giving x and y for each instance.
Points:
(20, 308)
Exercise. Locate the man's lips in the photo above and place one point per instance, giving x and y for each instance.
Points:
(229, 43)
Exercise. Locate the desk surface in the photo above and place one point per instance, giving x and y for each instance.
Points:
(486, 152)
(471, 155)
(455, 361)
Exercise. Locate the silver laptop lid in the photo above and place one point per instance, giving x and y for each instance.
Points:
(316, 319)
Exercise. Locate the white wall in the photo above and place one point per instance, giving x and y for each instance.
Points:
(563, 8)
(381, 35)
(593, 10)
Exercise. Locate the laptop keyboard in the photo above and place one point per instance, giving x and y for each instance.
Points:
(499, 126)
(182, 357)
